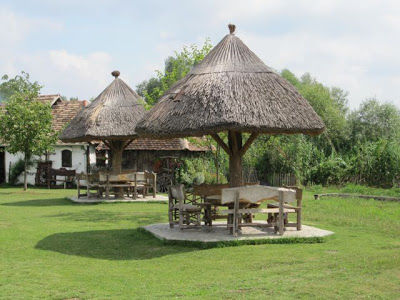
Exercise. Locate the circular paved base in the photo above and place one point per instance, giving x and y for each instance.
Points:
(220, 233)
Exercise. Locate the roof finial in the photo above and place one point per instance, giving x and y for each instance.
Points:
(115, 73)
(231, 28)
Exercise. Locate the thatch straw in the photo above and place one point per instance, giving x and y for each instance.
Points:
(113, 115)
(231, 89)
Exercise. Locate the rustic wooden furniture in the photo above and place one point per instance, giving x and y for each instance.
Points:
(151, 182)
(181, 212)
(67, 177)
(210, 197)
(42, 173)
(286, 204)
(257, 194)
(89, 182)
(119, 184)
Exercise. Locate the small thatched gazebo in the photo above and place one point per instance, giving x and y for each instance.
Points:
(231, 91)
(111, 118)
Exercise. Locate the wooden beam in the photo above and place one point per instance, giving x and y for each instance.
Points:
(220, 142)
(128, 143)
(107, 144)
(248, 143)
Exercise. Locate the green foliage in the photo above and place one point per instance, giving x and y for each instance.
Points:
(26, 124)
(200, 170)
(374, 121)
(176, 67)
(17, 169)
(331, 170)
(329, 103)
(20, 84)
(26, 127)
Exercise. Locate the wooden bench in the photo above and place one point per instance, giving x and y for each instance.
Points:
(68, 177)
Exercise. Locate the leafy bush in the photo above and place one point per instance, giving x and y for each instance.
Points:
(16, 170)
(332, 170)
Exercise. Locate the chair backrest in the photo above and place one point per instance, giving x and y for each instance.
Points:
(103, 176)
(299, 191)
(87, 177)
(205, 190)
(150, 177)
(176, 194)
(257, 194)
(140, 177)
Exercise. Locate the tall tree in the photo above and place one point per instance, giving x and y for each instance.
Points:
(374, 121)
(176, 67)
(25, 125)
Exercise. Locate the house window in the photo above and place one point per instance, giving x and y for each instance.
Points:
(66, 158)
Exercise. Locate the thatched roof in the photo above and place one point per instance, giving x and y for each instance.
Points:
(231, 89)
(113, 115)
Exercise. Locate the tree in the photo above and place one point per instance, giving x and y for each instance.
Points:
(25, 125)
(176, 67)
(330, 104)
(19, 83)
(374, 121)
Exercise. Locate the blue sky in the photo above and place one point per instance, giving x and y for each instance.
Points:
(72, 46)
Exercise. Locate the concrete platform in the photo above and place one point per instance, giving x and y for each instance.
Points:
(148, 199)
(220, 233)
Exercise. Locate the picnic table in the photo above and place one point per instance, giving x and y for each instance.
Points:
(240, 196)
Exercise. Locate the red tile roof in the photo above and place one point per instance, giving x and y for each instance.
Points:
(64, 111)
(168, 144)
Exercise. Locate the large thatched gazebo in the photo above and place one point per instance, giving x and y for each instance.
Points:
(111, 118)
(231, 91)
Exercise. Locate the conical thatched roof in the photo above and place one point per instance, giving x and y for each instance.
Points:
(231, 89)
(113, 115)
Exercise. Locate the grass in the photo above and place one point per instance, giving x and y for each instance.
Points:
(53, 249)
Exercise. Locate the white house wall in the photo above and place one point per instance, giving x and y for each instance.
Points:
(78, 160)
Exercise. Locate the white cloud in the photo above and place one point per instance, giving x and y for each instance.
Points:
(70, 74)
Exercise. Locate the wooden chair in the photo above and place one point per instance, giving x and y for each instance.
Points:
(294, 209)
(89, 182)
(257, 194)
(187, 215)
(139, 183)
(67, 177)
(151, 182)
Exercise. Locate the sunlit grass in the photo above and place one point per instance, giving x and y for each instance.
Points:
(51, 248)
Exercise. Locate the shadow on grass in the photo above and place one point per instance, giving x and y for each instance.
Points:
(97, 215)
(119, 244)
(41, 202)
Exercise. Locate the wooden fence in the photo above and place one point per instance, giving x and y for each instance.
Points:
(280, 179)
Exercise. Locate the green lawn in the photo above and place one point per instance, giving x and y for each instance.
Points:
(51, 248)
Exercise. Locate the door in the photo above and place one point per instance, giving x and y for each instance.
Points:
(2, 165)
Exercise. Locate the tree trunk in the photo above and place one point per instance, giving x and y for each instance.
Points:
(116, 162)
(235, 159)
(25, 172)
(117, 149)
(235, 150)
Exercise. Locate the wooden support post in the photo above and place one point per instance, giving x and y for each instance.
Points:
(235, 215)
(78, 185)
(280, 216)
(235, 159)
(235, 149)
(299, 196)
